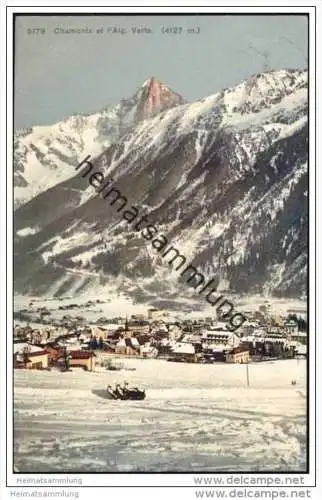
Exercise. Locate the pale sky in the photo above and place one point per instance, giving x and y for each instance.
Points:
(57, 75)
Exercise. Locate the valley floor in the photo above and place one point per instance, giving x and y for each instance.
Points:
(195, 418)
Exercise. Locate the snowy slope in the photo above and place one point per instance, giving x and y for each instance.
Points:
(46, 155)
(195, 418)
(224, 178)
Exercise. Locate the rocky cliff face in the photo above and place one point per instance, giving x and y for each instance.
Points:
(44, 155)
(223, 179)
(155, 97)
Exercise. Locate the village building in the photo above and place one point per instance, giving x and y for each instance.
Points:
(219, 337)
(238, 355)
(300, 337)
(148, 351)
(29, 356)
(155, 314)
(193, 338)
(138, 326)
(183, 351)
(216, 353)
(276, 332)
(54, 352)
(82, 359)
(138, 317)
(127, 346)
(301, 350)
(247, 328)
(291, 328)
(100, 332)
(109, 348)
(175, 331)
(218, 325)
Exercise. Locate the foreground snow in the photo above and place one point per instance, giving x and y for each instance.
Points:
(195, 418)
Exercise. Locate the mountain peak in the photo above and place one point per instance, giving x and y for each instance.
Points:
(152, 81)
(262, 90)
(155, 97)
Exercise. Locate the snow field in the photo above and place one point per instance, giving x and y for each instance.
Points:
(195, 418)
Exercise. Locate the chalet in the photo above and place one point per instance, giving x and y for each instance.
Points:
(100, 332)
(83, 359)
(109, 348)
(54, 353)
(291, 327)
(148, 351)
(138, 326)
(183, 351)
(300, 337)
(128, 346)
(238, 355)
(219, 337)
(153, 313)
(213, 353)
(191, 338)
(29, 356)
(248, 328)
(218, 325)
(138, 317)
(175, 331)
(301, 350)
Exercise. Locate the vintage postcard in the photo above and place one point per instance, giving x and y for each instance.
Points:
(161, 247)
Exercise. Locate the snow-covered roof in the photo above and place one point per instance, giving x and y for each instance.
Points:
(148, 348)
(84, 336)
(259, 333)
(188, 337)
(162, 328)
(75, 347)
(275, 339)
(250, 323)
(19, 348)
(220, 324)
(121, 343)
(216, 333)
(249, 338)
(183, 348)
(301, 349)
(300, 334)
(111, 326)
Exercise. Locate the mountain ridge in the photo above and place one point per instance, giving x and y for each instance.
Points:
(225, 178)
(43, 155)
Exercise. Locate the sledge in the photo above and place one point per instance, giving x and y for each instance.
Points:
(123, 394)
(136, 395)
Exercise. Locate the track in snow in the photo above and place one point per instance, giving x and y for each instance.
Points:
(195, 418)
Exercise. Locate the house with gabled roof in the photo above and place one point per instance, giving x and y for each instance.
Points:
(26, 355)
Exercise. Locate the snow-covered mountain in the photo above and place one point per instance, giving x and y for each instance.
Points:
(224, 179)
(45, 155)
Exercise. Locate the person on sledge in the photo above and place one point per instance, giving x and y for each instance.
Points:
(119, 392)
(125, 389)
(110, 392)
(137, 393)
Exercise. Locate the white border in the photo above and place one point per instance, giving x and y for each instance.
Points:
(141, 479)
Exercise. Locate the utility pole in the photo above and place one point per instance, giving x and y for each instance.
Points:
(247, 374)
